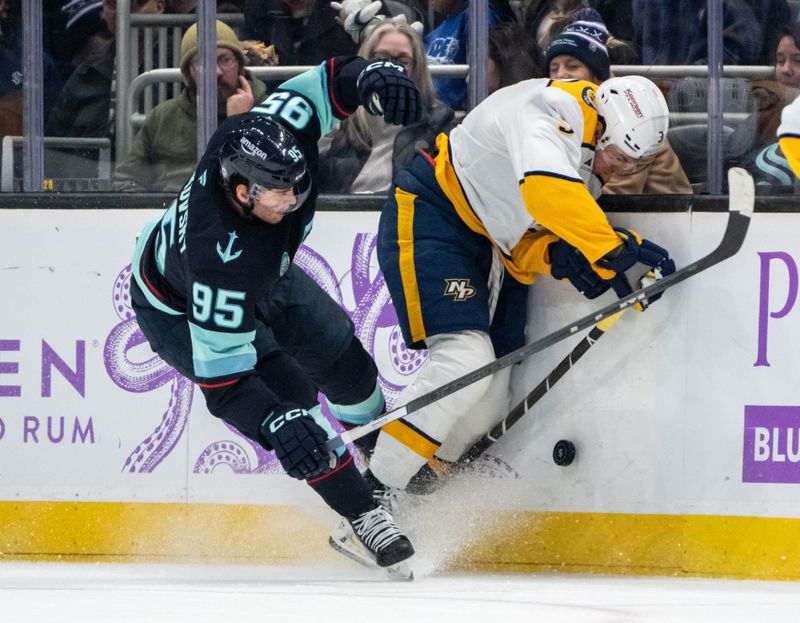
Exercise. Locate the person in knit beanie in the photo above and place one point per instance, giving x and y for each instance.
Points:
(226, 38)
(164, 151)
(586, 39)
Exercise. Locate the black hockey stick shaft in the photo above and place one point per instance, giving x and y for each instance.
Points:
(740, 210)
(541, 390)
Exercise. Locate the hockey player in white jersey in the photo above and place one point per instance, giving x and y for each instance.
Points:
(509, 188)
(789, 135)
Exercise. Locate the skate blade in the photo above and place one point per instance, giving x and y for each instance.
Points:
(401, 572)
(358, 553)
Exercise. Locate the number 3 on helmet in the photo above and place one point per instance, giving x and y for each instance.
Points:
(261, 152)
(635, 115)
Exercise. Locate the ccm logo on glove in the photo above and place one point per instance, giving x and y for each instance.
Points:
(385, 90)
(280, 420)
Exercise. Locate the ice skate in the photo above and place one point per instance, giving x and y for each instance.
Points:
(374, 540)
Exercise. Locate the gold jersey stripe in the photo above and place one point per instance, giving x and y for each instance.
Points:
(408, 273)
(790, 146)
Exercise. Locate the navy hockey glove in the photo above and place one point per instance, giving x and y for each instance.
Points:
(298, 442)
(567, 262)
(632, 251)
(385, 91)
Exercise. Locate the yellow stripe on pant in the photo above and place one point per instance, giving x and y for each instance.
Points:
(411, 438)
(408, 272)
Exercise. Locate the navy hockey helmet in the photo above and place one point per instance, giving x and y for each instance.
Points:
(267, 156)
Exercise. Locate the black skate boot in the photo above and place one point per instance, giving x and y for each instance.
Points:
(373, 539)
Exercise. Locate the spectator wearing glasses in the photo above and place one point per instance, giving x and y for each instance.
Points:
(363, 154)
(164, 151)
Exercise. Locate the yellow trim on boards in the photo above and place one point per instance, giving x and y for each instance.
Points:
(141, 532)
(764, 548)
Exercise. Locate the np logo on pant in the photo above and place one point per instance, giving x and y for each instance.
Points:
(459, 289)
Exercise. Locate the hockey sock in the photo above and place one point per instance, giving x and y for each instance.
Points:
(344, 489)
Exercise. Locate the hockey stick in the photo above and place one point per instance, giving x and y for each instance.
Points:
(740, 209)
(538, 392)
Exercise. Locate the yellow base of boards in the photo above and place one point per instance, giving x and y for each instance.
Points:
(763, 548)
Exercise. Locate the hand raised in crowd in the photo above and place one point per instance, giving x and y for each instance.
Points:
(242, 100)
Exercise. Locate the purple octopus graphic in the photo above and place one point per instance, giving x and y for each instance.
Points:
(372, 311)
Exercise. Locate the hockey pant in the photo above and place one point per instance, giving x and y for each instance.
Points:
(304, 342)
(444, 280)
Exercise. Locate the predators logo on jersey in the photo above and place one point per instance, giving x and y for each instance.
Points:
(565, 128)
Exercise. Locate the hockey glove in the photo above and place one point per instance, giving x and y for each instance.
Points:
(567, 262)
(634, 250)
(298, 442)
(384, 90)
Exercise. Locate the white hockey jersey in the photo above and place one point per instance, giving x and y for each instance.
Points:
(520, 164)
(789, 135)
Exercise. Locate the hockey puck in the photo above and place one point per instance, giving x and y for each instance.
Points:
(563, 452)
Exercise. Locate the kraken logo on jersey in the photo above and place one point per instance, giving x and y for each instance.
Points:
(228, 255)
(459, 289)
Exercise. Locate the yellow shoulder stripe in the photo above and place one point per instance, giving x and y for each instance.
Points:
(790, 146)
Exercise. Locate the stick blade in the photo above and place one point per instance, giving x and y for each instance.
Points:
(741, 190)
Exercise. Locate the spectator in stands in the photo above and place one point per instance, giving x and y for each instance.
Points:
(85, 34)
(447, 45)
(766, 162)
(674, 32)
(364, 152)
(580, 52)
(11, 77)
(359, 17)
(304, 32)
(513, 56)
(544, 19)
(164, 152)
(85, 106)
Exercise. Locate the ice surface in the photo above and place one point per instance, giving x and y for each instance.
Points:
(125, 593)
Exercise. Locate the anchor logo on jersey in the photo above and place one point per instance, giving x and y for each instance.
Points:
(459, 289)
(227, 255)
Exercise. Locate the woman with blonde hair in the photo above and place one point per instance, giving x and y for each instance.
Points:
(362, 155)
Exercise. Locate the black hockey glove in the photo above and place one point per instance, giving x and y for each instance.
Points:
(567, 262)
(385, 91)
(298, 442)
(634, 250)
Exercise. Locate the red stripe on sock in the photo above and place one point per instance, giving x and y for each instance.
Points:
(331, 473)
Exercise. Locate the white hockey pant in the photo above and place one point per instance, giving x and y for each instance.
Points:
(404, 446)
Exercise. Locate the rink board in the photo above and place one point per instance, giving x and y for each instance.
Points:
(686, 418)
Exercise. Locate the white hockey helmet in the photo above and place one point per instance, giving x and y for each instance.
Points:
(635, 113)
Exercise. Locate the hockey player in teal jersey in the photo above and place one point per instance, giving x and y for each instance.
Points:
(218, 297)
